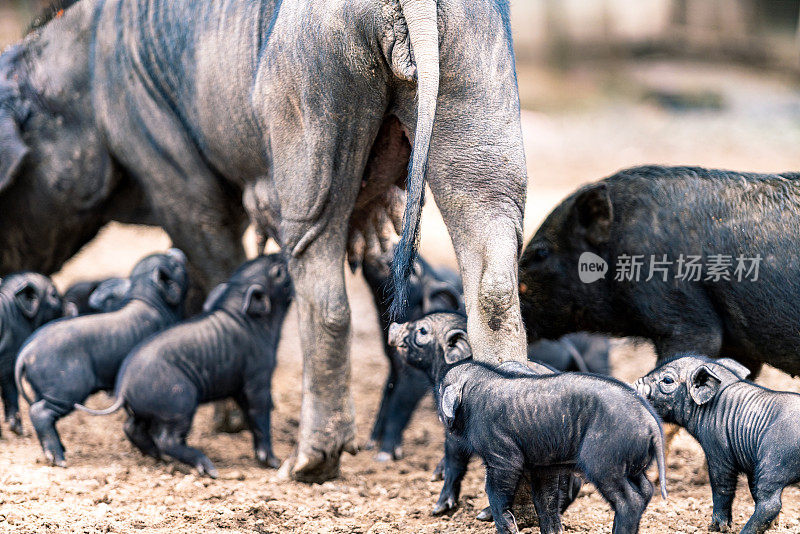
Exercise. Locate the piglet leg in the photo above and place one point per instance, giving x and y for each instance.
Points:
(171, 441)
(723, 490)
(501, 484)
(546, 490)
(456, 461)
(137, 432)
(11, 403)
(43, 417)
(410, 386)
(768, 506)
(257, 406)
(628, 503)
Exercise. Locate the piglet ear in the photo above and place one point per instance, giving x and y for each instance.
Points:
(457, 347)
(703, 385)
(735, 367)
(213, 298)
(449, 404)
(28, 300)
(256, 301)
(170, 288)
(437, 293)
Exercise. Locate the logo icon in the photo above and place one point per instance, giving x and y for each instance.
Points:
(591, 267)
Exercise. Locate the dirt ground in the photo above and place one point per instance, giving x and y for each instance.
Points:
(589, 124)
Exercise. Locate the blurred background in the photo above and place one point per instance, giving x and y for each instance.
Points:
(607, 84)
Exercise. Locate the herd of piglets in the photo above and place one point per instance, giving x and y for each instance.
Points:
(553, 423)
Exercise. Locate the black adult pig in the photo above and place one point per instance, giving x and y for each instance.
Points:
(430, 290)
(172, 112)
(228, 351)
(515, 423)
(728, 219)
(27, 301)
(95, 296)
(68, 360)
(742, 427)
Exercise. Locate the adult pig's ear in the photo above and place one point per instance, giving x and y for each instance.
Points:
(457, 347)
(735, 367)
(28, 300)
(594, 213)
(449, 404)
(213, 299)
(12, 149)
(703, 384)
(256, 301)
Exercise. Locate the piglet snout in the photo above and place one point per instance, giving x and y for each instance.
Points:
(395, 334)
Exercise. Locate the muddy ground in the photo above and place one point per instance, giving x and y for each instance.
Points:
(589, 123)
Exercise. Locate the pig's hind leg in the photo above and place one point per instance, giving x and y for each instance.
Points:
(137, 431)
(44, 415)
(625, 498)
(546, 488)
(643, 485)
(767, 494)
(170, 438)
(501, 486)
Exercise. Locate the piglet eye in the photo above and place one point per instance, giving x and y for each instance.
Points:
(422, 336)
(541, 253)
(668, 380)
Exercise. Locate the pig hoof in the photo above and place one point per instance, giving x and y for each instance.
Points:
(325, 433)
(207, 470)
(313, 468)
(443, 507)
(485, 514)
(383, 457)
(15, 424)
(268, 459)
(719, 527)
(398, 453)
(56, 462)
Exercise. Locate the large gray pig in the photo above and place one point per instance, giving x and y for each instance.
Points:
(172, 112)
